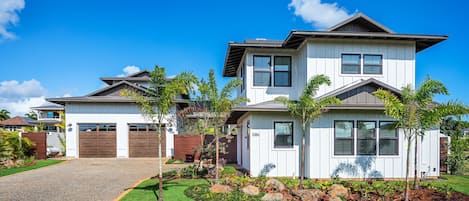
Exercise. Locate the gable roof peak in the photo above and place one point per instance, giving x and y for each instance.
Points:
(360, 23)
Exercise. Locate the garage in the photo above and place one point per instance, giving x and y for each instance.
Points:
(97, 140)
(143, 141)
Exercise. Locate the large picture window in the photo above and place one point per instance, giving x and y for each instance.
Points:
(282, 71)
(343, 134)
(351, 64)
(366, 138)
(388, 138)
(283, 134)
(372, 64)
(262, 71)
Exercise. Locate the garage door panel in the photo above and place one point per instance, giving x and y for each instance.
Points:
(97, 143)
(145, 144)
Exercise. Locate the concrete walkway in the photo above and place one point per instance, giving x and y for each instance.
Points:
(80, 179)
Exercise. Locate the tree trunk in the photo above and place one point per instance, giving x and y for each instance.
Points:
(302, 171)
(407, 187)
(416, 184)
(160, 165)
(217, 154)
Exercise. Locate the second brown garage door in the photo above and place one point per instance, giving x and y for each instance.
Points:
(97, 140)
(143, 141)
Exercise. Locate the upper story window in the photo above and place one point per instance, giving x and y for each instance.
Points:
(372, 64)
(280, 70)
(243, 79)
(262, 72)
(352, 64)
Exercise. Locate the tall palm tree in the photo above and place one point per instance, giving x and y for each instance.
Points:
(31, 115)
(416, 112)
(218, 104)
(157, 102)
(307, 109)
(4, 115)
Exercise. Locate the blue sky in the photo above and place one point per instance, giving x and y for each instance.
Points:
(55, 48)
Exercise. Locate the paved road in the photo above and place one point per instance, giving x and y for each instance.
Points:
(80, 179)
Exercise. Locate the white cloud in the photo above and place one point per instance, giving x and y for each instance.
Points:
(129, 70)
(18, 98)
(9, 10)
(13, 89)
(21, 106)
(321, 15)
(67, 95)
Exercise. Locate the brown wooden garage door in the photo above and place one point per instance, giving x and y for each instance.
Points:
(143, 141)
(97, 140)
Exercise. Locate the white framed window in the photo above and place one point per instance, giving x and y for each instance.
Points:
(277, 74)
(379, 138)
(361, 64)
(283, 134)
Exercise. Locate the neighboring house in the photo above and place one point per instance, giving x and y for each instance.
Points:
(106, 124)
(17, 123)
(360, 56)
(48, 116)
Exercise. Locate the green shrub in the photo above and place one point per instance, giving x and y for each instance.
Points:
(202, 193)
(12, 147)
(228, 171)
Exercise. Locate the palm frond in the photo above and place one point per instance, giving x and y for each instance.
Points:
(314, 83)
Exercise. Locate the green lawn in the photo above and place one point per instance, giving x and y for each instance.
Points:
(39, 164)
(459, 183)
(173, 189)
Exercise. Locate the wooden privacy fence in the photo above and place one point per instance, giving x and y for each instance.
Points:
(40, 140)
(187, 146)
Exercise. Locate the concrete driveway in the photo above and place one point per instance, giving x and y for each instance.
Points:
(80, 179)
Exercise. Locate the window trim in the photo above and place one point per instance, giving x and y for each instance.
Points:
(289, 71)
(374, 65)
(388, 138)
(292, 135)
(264, 71)
(343, 138)
(359, 65)
(375, 138)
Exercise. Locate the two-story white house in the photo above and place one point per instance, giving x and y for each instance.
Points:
(359, 56)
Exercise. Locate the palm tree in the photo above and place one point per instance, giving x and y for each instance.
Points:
(158, 100)
(31, 115)
(4, 115)
(217, 104)
(416, 112)
(307, 109)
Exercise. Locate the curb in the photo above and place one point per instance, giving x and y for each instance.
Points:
(130, 189)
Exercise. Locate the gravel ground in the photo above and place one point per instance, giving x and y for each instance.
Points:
(80, 179)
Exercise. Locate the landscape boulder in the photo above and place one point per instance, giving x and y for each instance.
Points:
(272, 196)
(219, 188)
(276, 184)
(337, 190)
(309, 194)
(250, 190)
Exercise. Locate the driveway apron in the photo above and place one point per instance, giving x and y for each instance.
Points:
(80, 179)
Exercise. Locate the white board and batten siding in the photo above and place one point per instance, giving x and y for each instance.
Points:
(324, 57)
(321, 56)
(322, 162)
(120, 114)
(265, 159)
